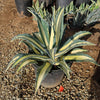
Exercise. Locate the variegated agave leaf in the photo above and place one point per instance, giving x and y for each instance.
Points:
(41, 74)
(78, 50)
(65, 68)
(30, 39)
(43, 28)
(73, 42)
(14, 59)
(59, 28)
(80, 57)
(26, 62)
(27, 57)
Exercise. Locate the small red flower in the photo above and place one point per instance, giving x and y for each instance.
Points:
(61, 89)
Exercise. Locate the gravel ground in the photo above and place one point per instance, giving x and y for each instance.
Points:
(21, 86)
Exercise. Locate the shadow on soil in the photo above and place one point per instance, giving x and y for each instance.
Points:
(95, 82)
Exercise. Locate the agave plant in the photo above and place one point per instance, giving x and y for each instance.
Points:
(48, 46)
(41, 10)
(84, 15)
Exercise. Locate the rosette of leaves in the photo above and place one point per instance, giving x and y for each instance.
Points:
(84, 15)
(48, 46)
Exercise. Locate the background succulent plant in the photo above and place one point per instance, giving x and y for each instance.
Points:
(77, 17)
(48, 47)
(41, 10)
(84, 15)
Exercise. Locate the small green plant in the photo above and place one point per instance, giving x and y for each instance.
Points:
(70, 9)
(48, 46)
(95, 4)
(41, 11)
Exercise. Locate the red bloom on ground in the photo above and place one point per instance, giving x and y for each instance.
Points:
(61, 89)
